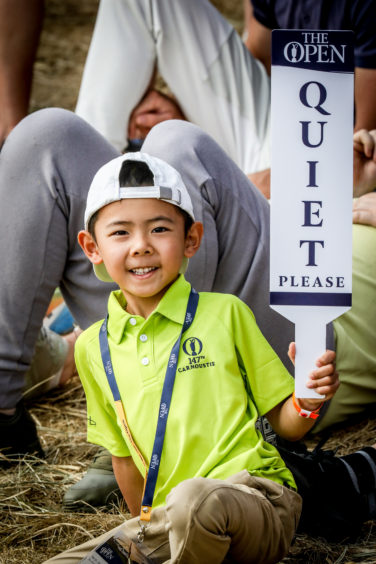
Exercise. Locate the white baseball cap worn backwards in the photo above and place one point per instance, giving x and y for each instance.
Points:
(105, 189)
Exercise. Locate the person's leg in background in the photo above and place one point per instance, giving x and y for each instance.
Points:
(356, 337)
(217, 83)
(118, 68)
(46, 166)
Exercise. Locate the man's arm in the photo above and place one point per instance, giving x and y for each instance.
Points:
(130, 482)
(285, 419)
(20, 27)
(365, 98)
(257, 37)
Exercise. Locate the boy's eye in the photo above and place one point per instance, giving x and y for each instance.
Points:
(159, 229)
(119, 232)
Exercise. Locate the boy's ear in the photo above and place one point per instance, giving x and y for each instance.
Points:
(89, 246)
(193, 239)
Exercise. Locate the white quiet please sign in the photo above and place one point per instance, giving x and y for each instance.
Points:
(311, 186)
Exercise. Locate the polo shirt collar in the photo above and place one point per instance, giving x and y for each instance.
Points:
(172, 306)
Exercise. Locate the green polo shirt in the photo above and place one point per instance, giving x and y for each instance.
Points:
(211, 422)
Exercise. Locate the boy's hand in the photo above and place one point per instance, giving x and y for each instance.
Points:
(324, 379)
(284, 417)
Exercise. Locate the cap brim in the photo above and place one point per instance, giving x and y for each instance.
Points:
(101, 272)
(184, 266)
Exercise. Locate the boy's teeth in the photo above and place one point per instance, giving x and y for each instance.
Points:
(143, 270)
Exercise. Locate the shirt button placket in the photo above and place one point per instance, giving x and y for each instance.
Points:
(145, 360)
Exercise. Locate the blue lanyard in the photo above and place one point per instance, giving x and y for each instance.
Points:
(164, 408)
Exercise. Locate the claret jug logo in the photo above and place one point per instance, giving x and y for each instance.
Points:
(192, 346)
(314, 49)
(193, 349)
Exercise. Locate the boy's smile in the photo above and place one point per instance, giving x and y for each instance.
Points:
(142, 244)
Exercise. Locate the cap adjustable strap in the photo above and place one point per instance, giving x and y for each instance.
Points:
(160, 192)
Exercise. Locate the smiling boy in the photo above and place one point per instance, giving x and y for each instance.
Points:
(141, 242)
(175, 382)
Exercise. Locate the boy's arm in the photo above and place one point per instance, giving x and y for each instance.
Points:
(130, 482)
(285, 419)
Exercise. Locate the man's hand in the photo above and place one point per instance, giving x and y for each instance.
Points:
(261, 180)
(364, 209)
(364, 161)
(323, 380)
(154, 108)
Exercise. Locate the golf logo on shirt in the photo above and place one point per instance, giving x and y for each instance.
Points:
(192, 346)
(193, 349)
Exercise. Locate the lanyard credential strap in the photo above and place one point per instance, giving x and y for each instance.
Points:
(107, 365)
(151, 474)
(164, 409)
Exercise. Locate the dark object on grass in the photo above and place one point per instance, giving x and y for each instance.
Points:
(338, 492)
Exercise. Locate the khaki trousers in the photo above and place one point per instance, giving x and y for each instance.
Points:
(242, 519)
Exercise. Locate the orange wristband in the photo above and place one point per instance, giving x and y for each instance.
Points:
(304, 412)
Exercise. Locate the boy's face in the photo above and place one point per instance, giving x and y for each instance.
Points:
(142, 244)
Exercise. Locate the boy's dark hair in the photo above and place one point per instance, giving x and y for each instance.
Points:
(137, 173)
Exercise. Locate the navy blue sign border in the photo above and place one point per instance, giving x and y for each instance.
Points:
(310, 299)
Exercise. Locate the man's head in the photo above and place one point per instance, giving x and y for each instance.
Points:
(139, 223)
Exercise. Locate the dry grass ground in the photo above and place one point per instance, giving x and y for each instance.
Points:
(34, 528)
(32, 524)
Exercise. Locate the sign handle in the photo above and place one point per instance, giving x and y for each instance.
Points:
(310, 340)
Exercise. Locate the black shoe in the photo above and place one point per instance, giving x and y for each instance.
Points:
(337, 492)
(18, 436)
